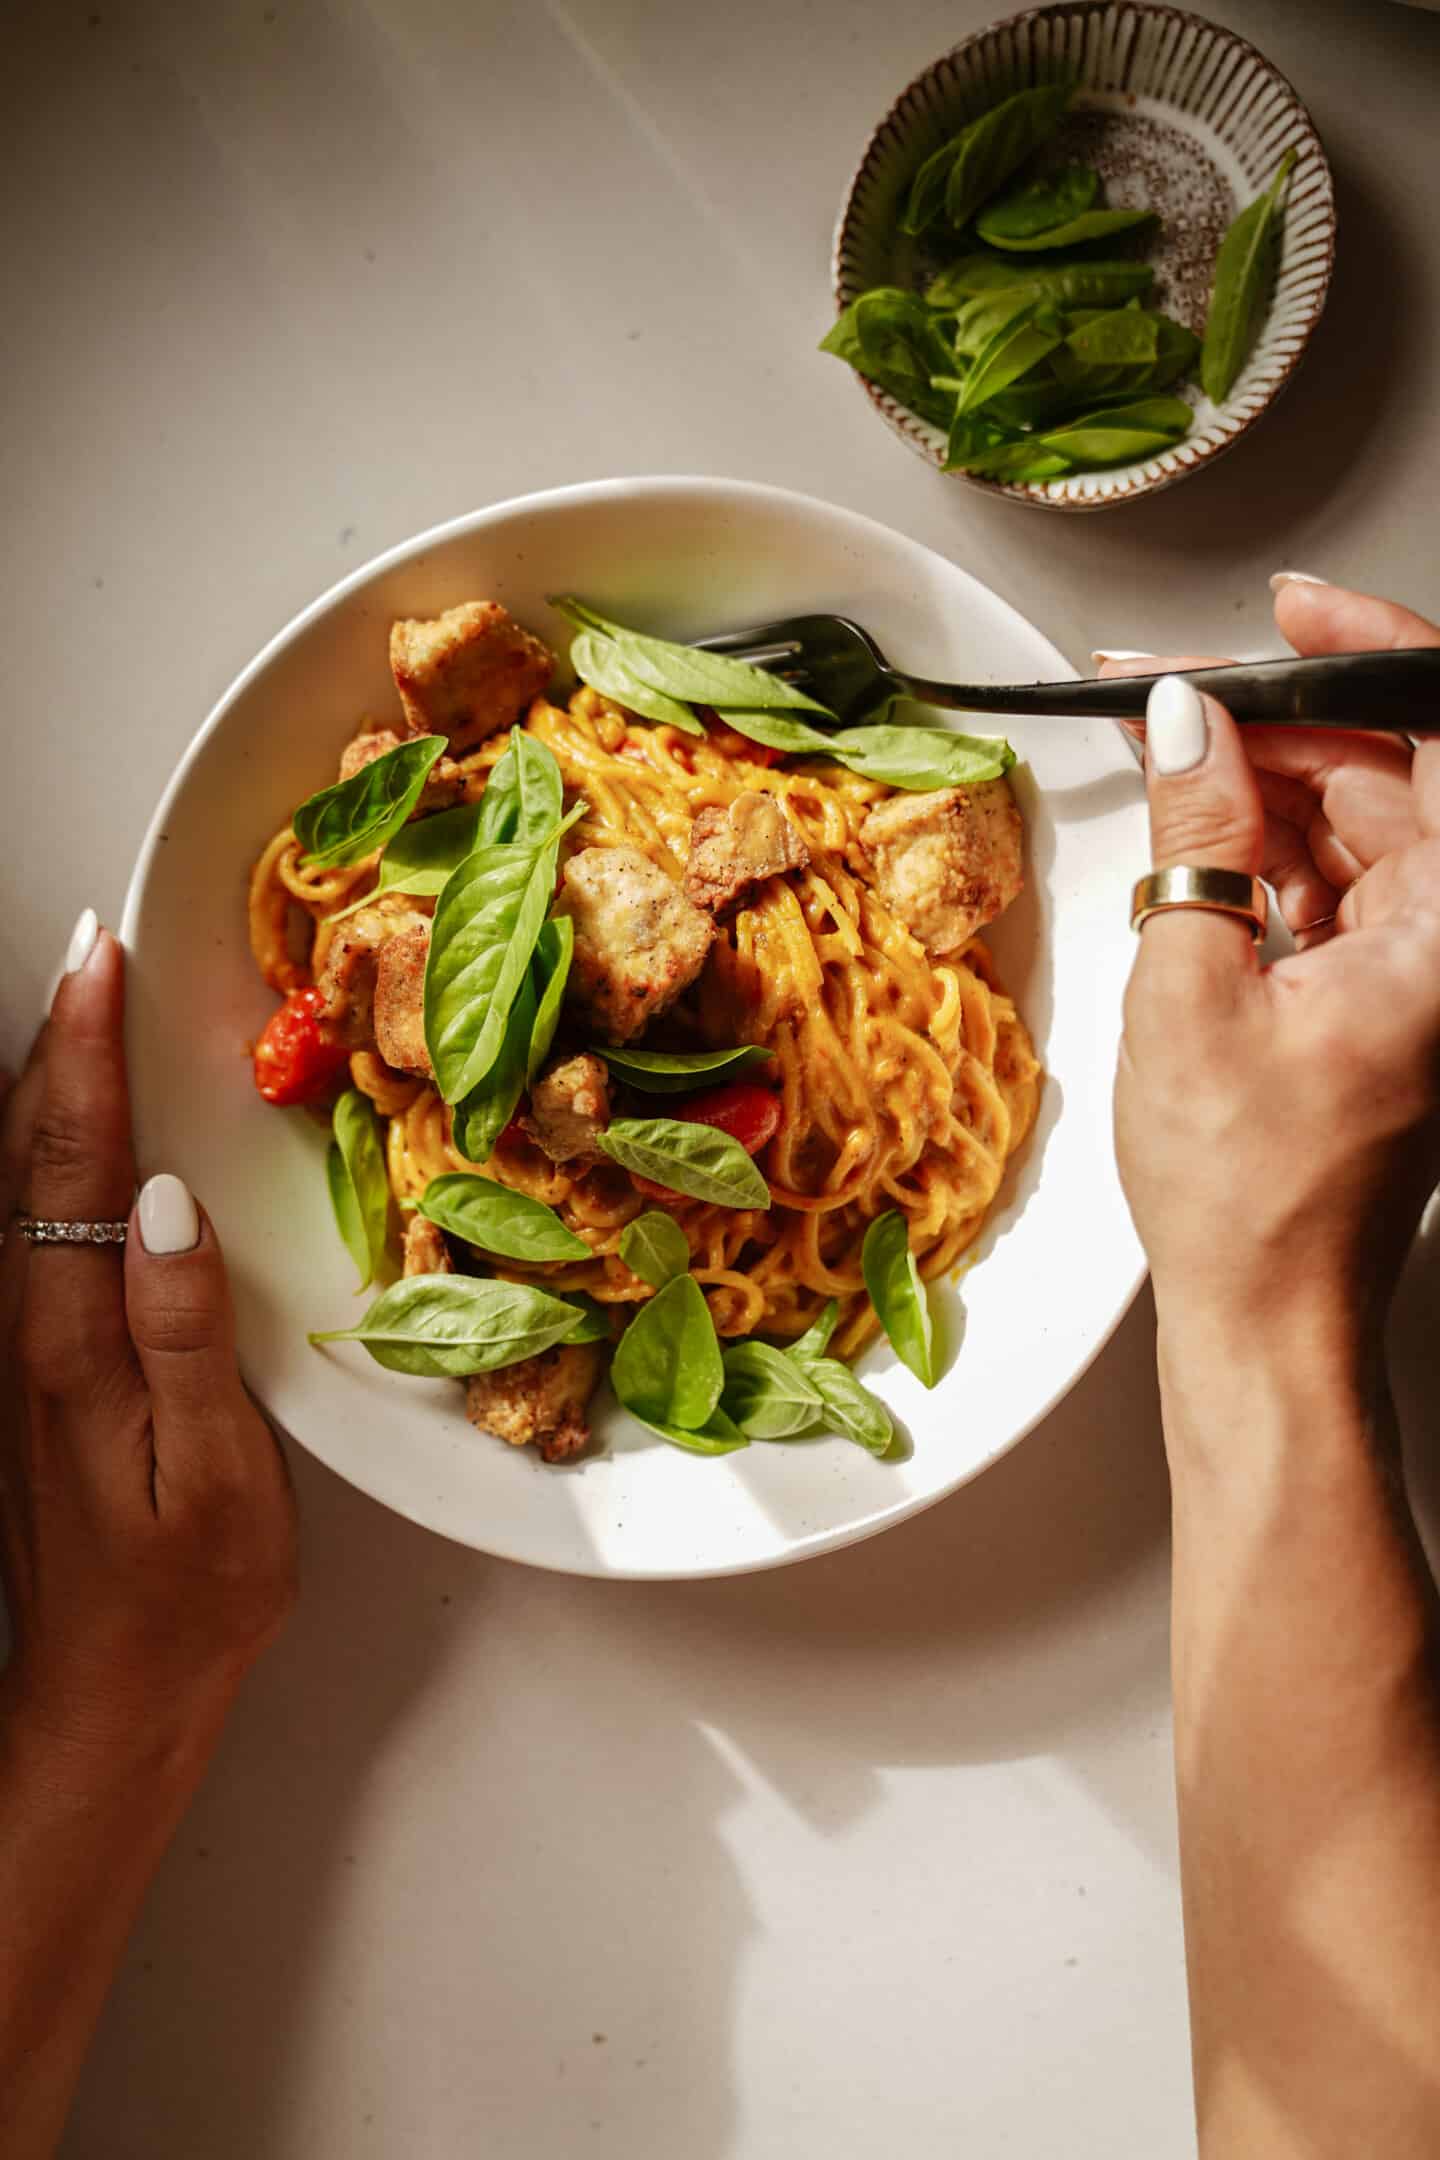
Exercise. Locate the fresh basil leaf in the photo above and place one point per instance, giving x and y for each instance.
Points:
(795, 738)
(676, 1072)
(1037, 400)
(421, 856)
(1243, 272)
(850, 1407)
(483, 1114)
(769, 1395)
(1124, 336)
(666, 1367)
(1038, 206)
(1013, 350)
(891, 339)
(920, 758)
(443, 1327)
(500, 1221)
(1079, 231)
(550, 970)
(350, 820)
(524, 794)
(926, 198)
(592, 1319)
(998, 143)
(1119, 436)
(1164, 415)
(686, 672)
(359, 1187)
(688, 1158)
(596, 661)
(486, 923)
(1065, 284)
(1011, 463)
(816, 1340)
(717, 1436)
(897, 1293)
(979, 320)
(655, 1248)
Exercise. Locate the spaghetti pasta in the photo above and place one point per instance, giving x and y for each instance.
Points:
(906, 1081)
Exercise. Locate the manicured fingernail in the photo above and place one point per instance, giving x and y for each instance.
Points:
(1118, 652)
(1177, 733)
(169, 1221)
(1282, 578)
(82, 941)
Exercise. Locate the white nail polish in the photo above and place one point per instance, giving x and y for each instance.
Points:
(1177, 733)
(1282, 578)
(169, 1221)
(82, 941)
(1118, 652)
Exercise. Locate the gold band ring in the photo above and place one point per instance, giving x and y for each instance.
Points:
(1222, 892)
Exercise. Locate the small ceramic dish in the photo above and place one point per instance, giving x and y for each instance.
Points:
(1177, 114)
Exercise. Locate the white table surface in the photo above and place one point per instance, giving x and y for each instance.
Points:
(869, 1856)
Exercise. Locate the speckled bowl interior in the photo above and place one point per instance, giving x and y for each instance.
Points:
(1177, 114)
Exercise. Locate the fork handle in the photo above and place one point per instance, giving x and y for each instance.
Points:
(1389, 690)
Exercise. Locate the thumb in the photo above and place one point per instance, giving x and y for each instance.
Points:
(1205, 812)
(177, 1304)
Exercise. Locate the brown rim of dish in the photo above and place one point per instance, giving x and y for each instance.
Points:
(888, 136)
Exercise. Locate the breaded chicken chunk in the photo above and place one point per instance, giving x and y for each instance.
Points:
(467, 672)
(541, 1399)
(346, 980)
(444, 783)
(947, 862)
(569, 1105)
(733, 850)
(425, 1251)
(400, 999)
(638, 941)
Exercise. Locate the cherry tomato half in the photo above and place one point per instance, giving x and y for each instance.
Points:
(748, 1112)
(295, 1062)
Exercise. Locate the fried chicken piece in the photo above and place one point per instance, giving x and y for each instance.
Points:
(947, 862)
(400, 999)
(569, 1106)
(467, 672)
(735, 849)
(638, 941)
(541, 1399)
(346, 980)
(425, 1251)
(444, 783)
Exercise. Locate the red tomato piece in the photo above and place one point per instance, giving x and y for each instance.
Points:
(748, 1112)
(295, 1061)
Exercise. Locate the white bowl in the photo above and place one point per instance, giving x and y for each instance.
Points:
(1180, 116)
(1059, 1263)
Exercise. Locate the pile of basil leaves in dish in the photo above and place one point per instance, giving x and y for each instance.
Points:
(495, 983)
(1034, 348)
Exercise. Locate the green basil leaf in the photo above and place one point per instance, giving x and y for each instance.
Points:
(443, 1327)
(795, 738)
(897, 1293)
(1012, 351)
(686, 1158)
(1038, 206)
(685, 671)
(998, 143)
(889, 337)
(500, 1221)
(1011, 463)
(359, 1187)
(816, 1340)
(1111, 438)
(676, 1072)
(717, 1436)
(655, 1248)
(595, 659)
(486, 924)
(1037, 400)
(422, 855)
(1065, 284)
(920, 758)
(1160, 415)
(666, 1367)
(350, 820)
(592, 1319)
(1126, 336)
(483, 1114)
(981, 319)
(850, 1407)
(1243, 272)
(926, 198)
(524, 794)
(769, 1395)
(1079, 231)
(550, 970)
